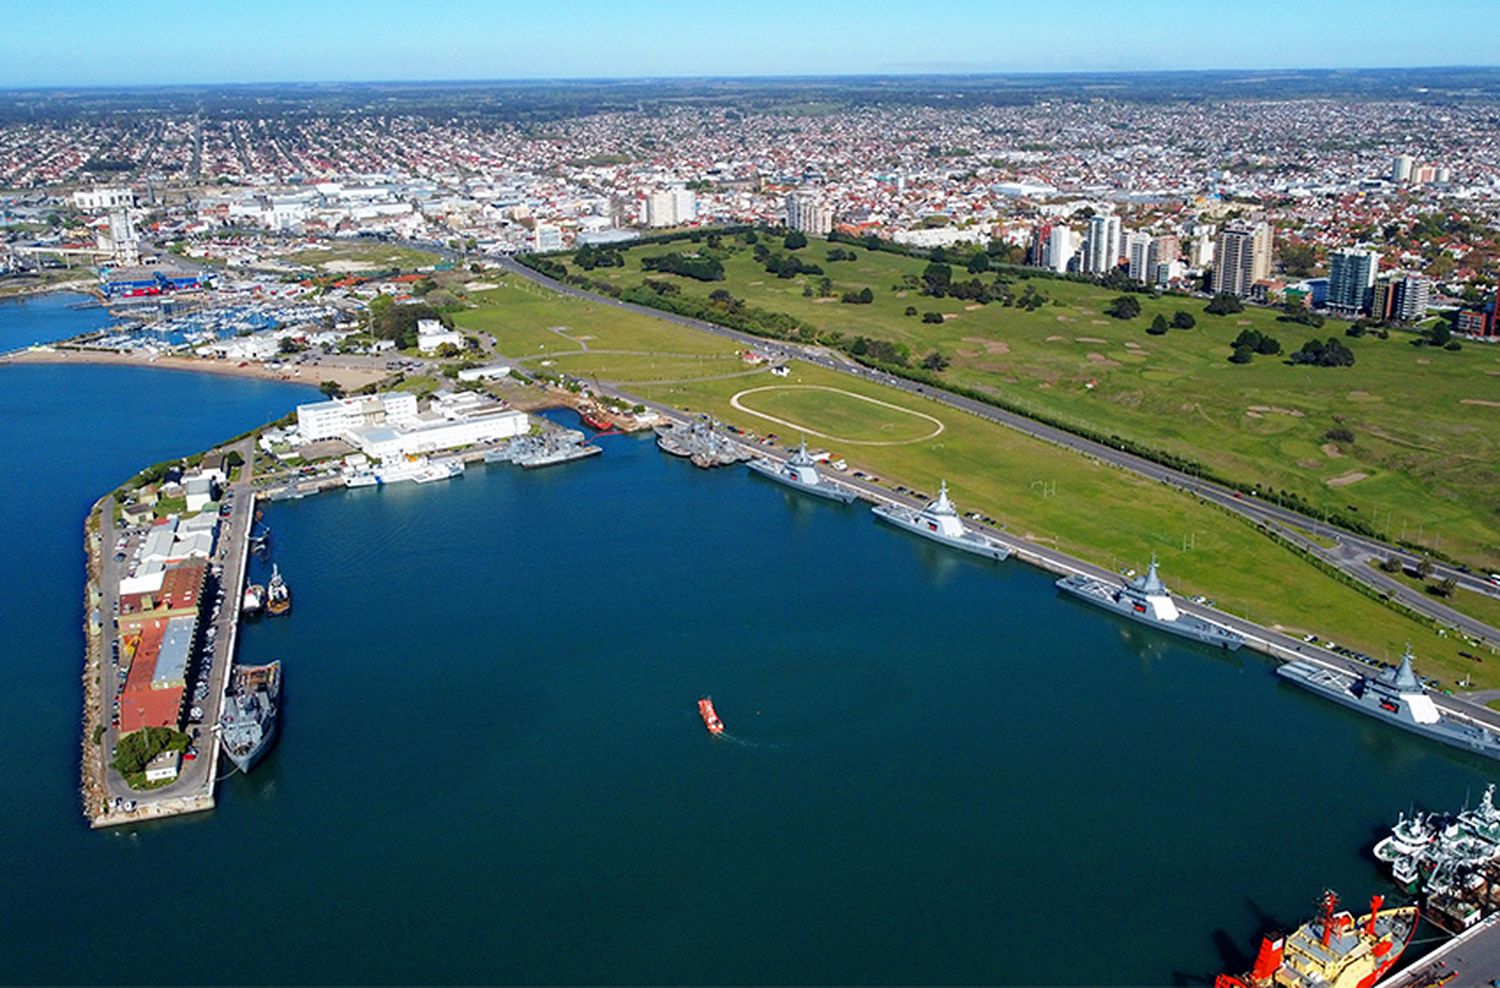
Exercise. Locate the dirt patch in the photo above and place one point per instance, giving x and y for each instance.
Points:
(753, 283)
(1100, 360)
(1279, 411)
(1479, 401)
(1088, 339)
(1423, 360)
(823, 301)
(1345, 479)
(1064, 319)
(1099, 322)
(973, 308)
(949, 315)
(901, 294)
(1332, 451)
(480, 286)
(1054, 339)
(1133, 346)
(991, 346)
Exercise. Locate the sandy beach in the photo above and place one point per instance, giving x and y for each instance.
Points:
(348, 378)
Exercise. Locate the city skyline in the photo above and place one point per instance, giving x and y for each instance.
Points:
(278, 41)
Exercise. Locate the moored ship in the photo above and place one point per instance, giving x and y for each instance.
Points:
(1332, 950)
(940, 522)
(1452, 859)
(247, 724)
(278, 594)
(1394, 696)
(1146, 599)
(800, 472)
(253, 600)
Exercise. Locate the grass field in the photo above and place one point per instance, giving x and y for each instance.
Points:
(1424, 462)
(1039, 491)
(835, 415)
(344, 258)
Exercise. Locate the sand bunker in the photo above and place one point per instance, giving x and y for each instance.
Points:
(1054, 339)
(1088, 339)
(1479, 401)
(971, 308)
(1100, 360)
(1331, 450)
(1344, 480)
(991, 346)
(1279, 411)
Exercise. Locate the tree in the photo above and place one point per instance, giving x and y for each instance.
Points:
(932, 317)
(1241, 355)
(866, 296)
(1183, 320)
(1324, 353)
(1158, 326)
(935, 361)
(1425, 568)
(331, 389)
(911, 310)
(795, 239)
(1445, 587)
(936, 277)
(1124, 307)
(979, 263)
(1224, 304)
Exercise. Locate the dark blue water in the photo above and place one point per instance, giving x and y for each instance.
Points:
(492, 769)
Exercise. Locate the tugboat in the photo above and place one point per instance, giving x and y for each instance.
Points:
(1395, 696)
(278, 595)
(939, 521)
(1333, 950)
(254, 599)
(247, 724)
(710, 716)
(1146, 599)
(800, 472)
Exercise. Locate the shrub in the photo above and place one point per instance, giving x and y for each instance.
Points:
(932, 317)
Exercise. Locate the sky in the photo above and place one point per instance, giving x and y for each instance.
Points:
(112, 42)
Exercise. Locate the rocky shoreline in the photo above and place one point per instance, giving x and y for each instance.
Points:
(91, 791)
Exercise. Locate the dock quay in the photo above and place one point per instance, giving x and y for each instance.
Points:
(1469, 960)
(214, 641)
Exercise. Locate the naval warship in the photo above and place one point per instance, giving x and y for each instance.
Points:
(939, 521)
(1146, 599)
(1395, 696)
(800, 471)
(247, 725)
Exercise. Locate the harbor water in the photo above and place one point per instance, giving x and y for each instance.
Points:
(491, 768)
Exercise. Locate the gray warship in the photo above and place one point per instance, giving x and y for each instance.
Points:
(800, 472)
(700, 442)
(1146, 599)
(939, 521)
(247, 724)
(1395, 696)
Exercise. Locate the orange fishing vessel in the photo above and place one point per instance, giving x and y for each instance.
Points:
(1333, 950)
(710, 716)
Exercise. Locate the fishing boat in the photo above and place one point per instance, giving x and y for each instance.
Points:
(254, 599)
(710, 716)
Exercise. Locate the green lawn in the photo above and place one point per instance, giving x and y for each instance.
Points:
(347, 257)
(1424, 462)
(834, 416)
(626, 368)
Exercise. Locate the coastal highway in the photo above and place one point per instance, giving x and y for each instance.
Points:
(1350, 553)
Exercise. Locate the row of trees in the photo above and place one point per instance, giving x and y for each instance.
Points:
(1324, 353)
(699, 267)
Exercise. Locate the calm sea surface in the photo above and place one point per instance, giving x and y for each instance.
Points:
(492, 769)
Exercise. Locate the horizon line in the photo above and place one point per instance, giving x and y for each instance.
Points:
(749, 77)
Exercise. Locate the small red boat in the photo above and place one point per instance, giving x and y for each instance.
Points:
(596, 422)
(710, 716)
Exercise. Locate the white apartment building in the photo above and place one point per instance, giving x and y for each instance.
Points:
(1138, 254)
(100, 200)
(332, 419)
(432, 336)
(1062, 244)
(808, 213)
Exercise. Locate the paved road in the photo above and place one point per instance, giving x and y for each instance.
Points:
(1351, 553)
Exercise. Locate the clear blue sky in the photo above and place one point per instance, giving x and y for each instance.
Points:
(105, 42)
